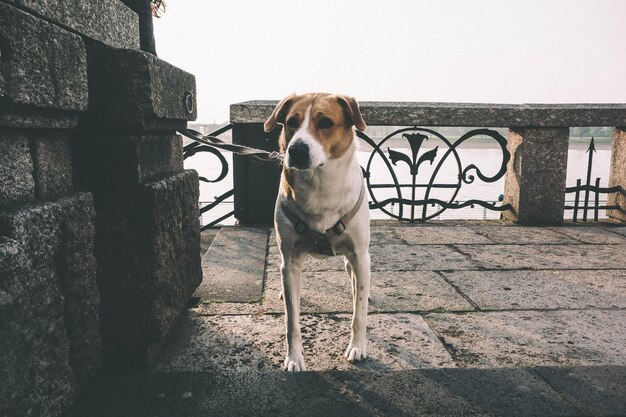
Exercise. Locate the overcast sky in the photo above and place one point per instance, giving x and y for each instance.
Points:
(498, 51)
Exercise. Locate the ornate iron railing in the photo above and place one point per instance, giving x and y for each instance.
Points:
(417, 193)
(586, 206)
(415, 170)
(194, 148)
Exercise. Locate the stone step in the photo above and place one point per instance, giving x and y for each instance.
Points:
(234, 266)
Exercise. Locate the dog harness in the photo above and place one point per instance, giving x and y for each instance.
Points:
(322, 241)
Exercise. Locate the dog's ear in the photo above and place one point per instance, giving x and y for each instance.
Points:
(352, 109)
(279, 113)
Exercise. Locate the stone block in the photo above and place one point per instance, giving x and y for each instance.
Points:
(38, 229)
(78, 281)
(132, 89)
(252, 174)
(16, 171)
(106, 21)
(32, 118)
(52, 158)
(42, 65)
(35, 363)
(617, 176)
(535, 178)
(148, 251)
(110, 160)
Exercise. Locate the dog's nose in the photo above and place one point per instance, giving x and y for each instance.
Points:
(299, 155)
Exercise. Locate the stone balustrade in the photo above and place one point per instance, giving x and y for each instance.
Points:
(538, 143)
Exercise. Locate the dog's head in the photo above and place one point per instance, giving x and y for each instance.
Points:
(317, 127)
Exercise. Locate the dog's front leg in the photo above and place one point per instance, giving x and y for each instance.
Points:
(291, 273)
(360, 276)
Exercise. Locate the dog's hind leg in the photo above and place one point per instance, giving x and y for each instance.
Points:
(360, 266)
(291, 272)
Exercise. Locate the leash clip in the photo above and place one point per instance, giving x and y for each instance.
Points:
(275, 155)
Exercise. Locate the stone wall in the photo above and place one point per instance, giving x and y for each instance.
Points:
(99, 230)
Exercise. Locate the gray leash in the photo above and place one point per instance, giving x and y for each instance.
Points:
(231, 147)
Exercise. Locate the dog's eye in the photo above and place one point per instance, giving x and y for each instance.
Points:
(292, 122)
(324, 123)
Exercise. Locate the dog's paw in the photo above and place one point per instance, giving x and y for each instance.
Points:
(294, 363)
(357, 351)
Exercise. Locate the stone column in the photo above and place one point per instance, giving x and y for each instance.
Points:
(536, 174)
(617, 175)
(147, 224)
(255, 181)
(50, 342)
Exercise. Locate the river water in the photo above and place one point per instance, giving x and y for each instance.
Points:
(487, 156)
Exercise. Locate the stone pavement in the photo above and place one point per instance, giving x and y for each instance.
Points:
(466, 318)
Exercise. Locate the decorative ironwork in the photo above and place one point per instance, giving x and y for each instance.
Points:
(588, 188)
(197, 147)
(416, 137)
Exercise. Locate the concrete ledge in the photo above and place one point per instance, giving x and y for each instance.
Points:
(106, 21)
(461, 114)
(42, 65)
(135, 90)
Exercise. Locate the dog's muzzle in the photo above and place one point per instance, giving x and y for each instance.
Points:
(298, 155)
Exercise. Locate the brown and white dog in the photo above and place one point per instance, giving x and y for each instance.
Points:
(320, 209)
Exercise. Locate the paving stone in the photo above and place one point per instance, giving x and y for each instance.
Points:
(326, 292)
(621, 230)
(234, 266)
(333, 263)
(595, 235)
(441, 235)
(243, 343)
(596, 390)
(384, 236)
(545, 256)
(520, 235)
(390, 258)
(218, 308)
(542, 289)
(533, 338)
(501, 391)
(419, 258)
